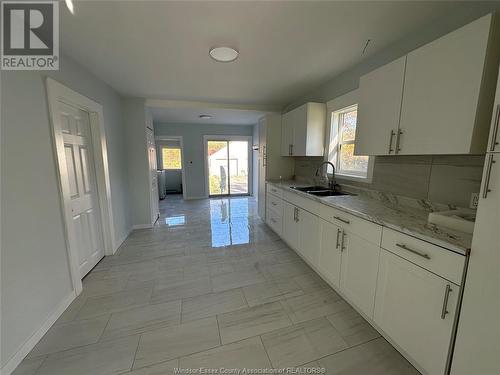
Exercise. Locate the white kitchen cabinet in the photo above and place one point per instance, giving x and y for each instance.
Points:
(291, 227)
(379, 108)
(479, 316)
(359, 267)
(446, 105)
(416, 309)
(330, 252)
(303, 130)
(494, 139)
(272, 165)
(309, 238)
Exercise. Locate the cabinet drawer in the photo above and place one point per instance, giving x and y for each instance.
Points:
(305, 203)
(274, 203)
(436, 259)
(272, 189)
(360, 227)
(275, 221)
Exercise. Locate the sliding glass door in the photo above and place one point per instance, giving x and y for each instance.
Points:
(227, 164)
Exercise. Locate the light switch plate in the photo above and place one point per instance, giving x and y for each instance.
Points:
(474, 199)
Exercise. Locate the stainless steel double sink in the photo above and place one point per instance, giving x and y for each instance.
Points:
(320, 191)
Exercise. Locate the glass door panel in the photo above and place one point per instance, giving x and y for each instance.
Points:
(218, 167)
(238, 167)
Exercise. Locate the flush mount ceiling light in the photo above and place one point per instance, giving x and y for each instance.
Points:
(205, 117)
(223, 54)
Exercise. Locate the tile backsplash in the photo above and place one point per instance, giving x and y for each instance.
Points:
(447, 179)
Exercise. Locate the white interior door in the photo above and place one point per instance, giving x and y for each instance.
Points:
(83, 198)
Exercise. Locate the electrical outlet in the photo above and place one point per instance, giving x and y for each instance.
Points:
(474, 199)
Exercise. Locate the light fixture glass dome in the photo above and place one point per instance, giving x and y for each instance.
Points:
(223, 54)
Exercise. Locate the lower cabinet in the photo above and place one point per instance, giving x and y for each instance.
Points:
(330, 251)
(291, 230)
(360, 262)
(416, 309)
(309, 238)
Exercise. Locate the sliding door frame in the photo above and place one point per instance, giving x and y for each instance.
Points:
(248, 139)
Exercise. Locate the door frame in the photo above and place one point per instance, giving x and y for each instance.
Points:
(247, 138)
(179, 138)
(58, 92)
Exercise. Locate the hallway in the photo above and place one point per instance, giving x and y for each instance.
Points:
(210, 286)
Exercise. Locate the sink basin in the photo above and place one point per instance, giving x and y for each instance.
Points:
(309, 188)
(327, 193)
(320, 191)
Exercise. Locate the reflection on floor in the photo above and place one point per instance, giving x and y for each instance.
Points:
(210, 286)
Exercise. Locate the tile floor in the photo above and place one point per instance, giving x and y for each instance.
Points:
(210, 286)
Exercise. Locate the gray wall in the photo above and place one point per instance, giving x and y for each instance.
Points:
(193, 149)
(34, 268)
(134, 114)
(439, 179)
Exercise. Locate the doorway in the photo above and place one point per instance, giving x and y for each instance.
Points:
(228, 169)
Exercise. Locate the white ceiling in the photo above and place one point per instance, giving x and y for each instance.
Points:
(159, 49)
(220, 116)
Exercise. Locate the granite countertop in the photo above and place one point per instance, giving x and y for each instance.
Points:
(409, 217)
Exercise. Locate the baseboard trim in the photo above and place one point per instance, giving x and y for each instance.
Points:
(18, 357)
(120, 241)
(142, 226)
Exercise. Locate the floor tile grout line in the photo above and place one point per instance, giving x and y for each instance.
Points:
(267, 353)
(136, 351)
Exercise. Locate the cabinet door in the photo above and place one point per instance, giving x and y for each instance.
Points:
(409, 308)
(481, 302)
(261, 201)
(287, 125)
(330, 253)
(290, 226)
(299, 144)
(494, 140)
(380, 95)
(358, 276)
(441, 92)
(309, 239)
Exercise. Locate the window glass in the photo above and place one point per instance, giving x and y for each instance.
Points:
(171, 158)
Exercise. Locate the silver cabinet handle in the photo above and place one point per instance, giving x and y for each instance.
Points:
(404, 247)
(274, 221)
(264, 156)
(486, 187)
(342, 220)
(274, 203)
(494, 134)
(338, 235)
(398, 140)
(291, 150)
(390, 141)
(298, 218)
(447, 292)
(342, 246)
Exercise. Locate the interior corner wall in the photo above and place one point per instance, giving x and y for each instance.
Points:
(136, 119)
(35, 276)
(194, 162)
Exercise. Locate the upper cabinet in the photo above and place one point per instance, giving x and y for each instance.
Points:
(379, 109)
(303, 130)
(440, 104)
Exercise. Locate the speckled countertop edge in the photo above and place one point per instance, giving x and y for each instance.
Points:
(407, 220)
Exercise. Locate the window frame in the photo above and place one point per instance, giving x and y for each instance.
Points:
(335, 107)
(162, 147)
